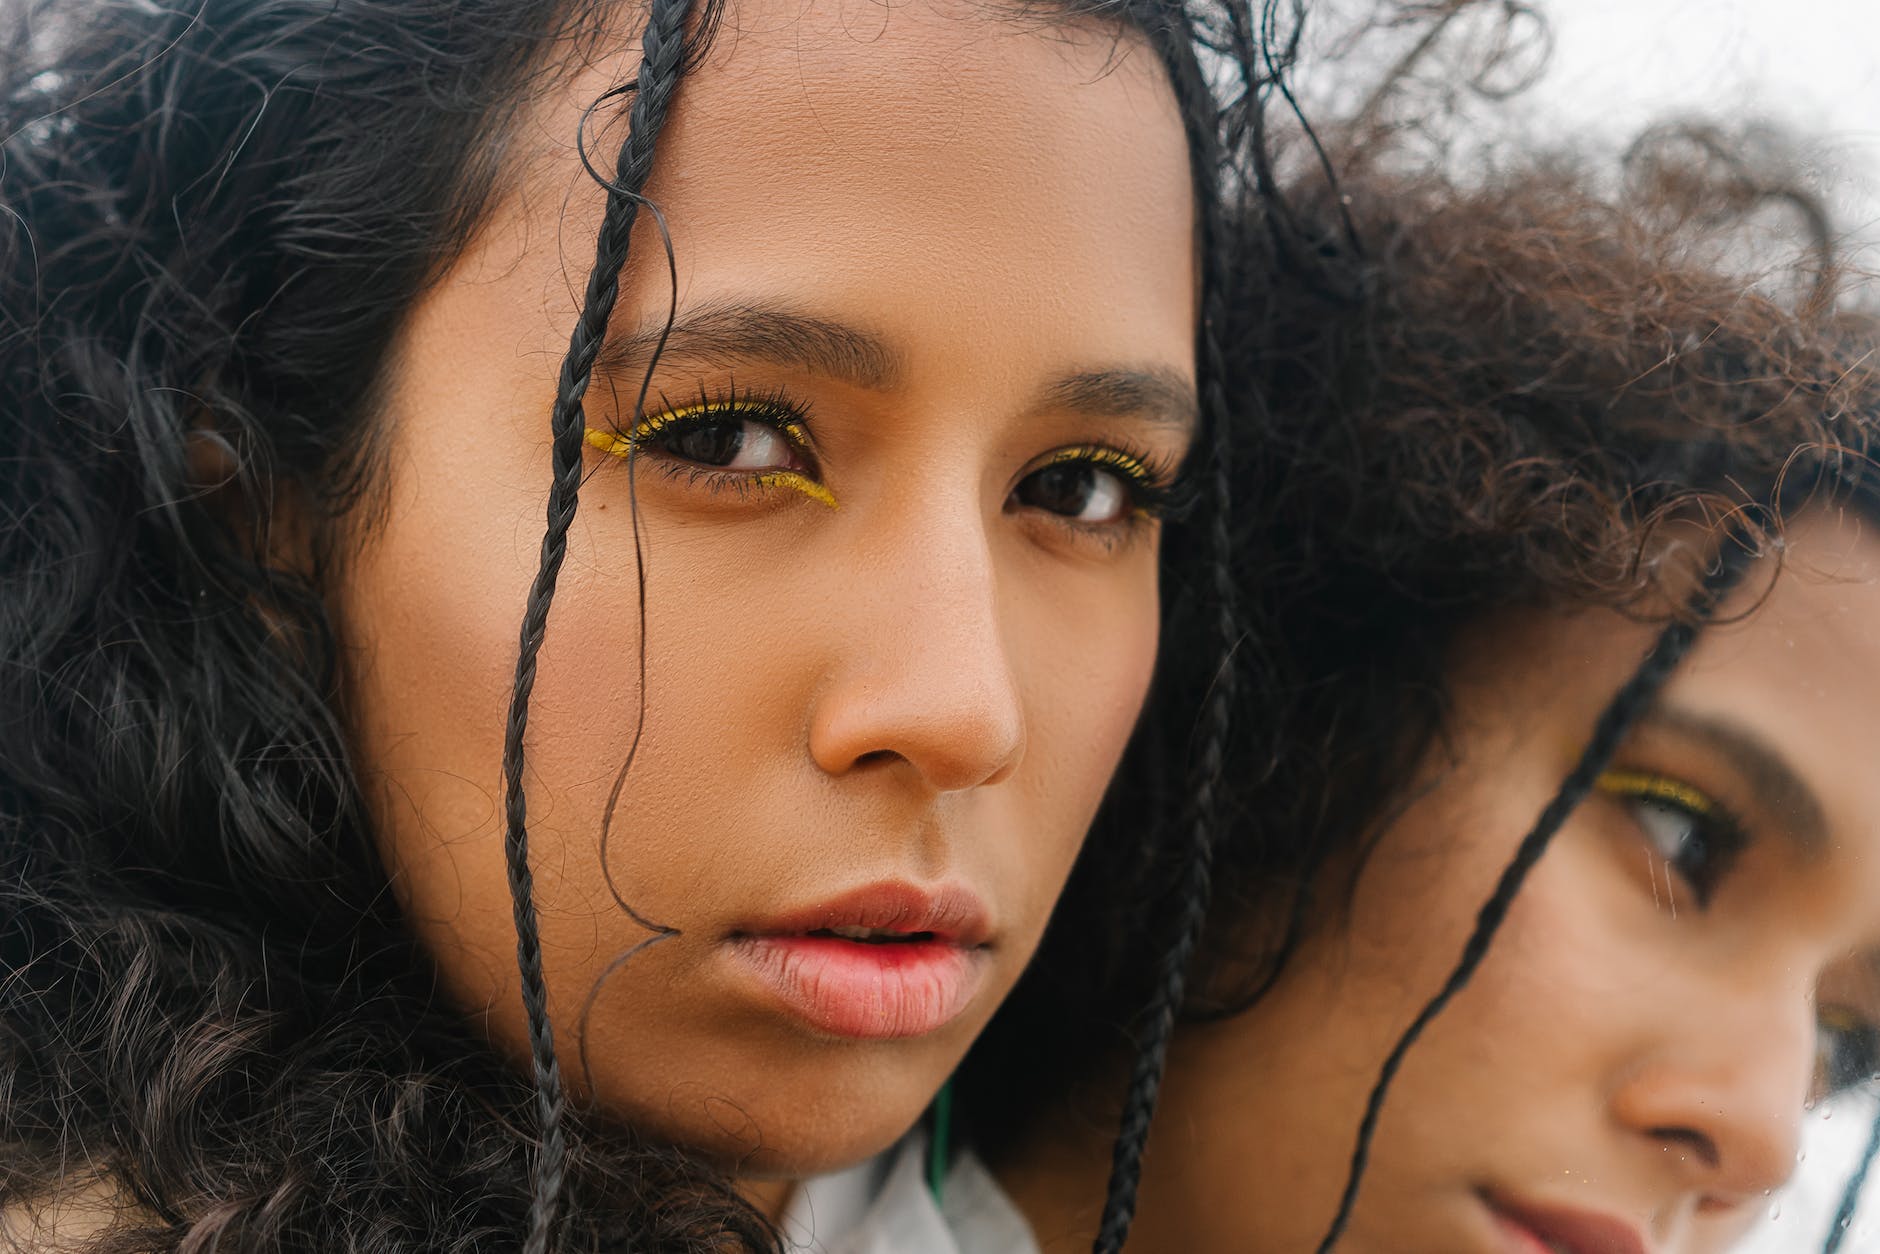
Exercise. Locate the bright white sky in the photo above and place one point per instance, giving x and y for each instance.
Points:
(1815, 62)
(1620, 65)
(1811, 64)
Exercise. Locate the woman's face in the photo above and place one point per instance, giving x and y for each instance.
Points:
(1689, 964)
(895, 489)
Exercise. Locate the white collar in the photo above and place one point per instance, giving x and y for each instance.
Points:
(885, 1207)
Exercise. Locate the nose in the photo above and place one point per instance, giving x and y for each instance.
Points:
(922, 682)
(1723, 1096)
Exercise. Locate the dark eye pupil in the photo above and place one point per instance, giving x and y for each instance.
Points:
(1690, 852)
(1693, 860)
(1065, 489)
(710, 443)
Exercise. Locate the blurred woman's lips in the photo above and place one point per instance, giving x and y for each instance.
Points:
(884, 962)
(1531, 1228)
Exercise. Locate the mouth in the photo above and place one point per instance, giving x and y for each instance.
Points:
(1532, 1228)
(873, 935)
(888, 961)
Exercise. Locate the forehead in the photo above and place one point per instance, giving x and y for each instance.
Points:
(968, 107)
(1800, 659)
(933, 159)
(1802, 646)
(1789, 637)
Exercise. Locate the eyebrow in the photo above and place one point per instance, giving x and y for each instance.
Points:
(1778, 786)
(730, 333)
(727, 334)
(1156, 393)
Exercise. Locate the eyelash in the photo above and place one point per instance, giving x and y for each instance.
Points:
(1156, 489)
(1719, 836)
(771, 409)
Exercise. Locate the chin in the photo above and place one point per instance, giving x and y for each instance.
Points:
(794, 1152)
(779, 1122)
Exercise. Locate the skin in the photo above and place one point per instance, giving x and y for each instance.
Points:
(930, 683)
(1626, 1049)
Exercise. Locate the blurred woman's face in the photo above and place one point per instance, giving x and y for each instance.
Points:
(1690, 964)
(895, 486)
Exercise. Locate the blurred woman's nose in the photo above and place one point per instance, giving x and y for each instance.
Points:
(1723, 1091)
(923, 683)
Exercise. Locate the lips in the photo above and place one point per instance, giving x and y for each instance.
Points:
(889, 961)
(1528, 1228)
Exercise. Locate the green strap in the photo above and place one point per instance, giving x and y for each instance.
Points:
(939, 1152)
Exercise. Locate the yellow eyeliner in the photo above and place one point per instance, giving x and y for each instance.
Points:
(1103, 457)
(801, 483)
(653, 424)
(1654, 787)
(621, 445)
(609, 443)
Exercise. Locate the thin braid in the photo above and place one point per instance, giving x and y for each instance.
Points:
(1637, 694)
(663, 49)
(1199, 109)
(1850, 1197)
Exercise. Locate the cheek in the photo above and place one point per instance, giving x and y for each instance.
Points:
(1090, 664)
(1524, 1056)
(714, 758)
(428, 615)
(1568, 951)
(1102, 687)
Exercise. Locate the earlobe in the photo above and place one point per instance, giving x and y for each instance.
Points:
(213, 462)
(214, 469)
(270, 523)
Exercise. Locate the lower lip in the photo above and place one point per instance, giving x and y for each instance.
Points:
(1518, 1238)
(862, 991)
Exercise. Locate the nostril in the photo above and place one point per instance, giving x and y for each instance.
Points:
(1691, 1143)
(878, 757)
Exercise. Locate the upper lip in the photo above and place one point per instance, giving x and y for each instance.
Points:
(951, 913)
(1577, 1231)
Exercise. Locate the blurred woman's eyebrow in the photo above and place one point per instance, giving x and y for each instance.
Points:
(1777, 784)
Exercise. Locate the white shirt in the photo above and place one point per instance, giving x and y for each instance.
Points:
(885, 1207)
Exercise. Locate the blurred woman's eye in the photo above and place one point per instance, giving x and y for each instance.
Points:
(1682, 825)
(1847, 1051)
(1096, 487)
(729, 441)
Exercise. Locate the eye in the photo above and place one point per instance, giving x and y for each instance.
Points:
(1083, 492)
(1094, 487)
(729, 441)
(1692, 833)
(725, 441)
(1847, 1051)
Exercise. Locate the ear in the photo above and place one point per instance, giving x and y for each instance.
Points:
(271, 525)
(213, 462)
